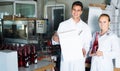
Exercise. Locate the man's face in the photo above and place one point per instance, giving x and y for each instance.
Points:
(76, 11)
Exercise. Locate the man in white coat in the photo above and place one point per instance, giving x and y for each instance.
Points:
(108, 46)
(74, 37)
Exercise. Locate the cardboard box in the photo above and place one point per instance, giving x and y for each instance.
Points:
(46, 68)
(116, 69)
(102, 6)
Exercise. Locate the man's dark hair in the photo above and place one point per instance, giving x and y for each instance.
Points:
(78, 3)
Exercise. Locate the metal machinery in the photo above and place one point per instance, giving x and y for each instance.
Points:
(0, 31)
(18, 30)
(55, 13)
(18, 8)
(16, 19)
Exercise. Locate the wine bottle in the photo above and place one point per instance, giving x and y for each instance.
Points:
(95, 44)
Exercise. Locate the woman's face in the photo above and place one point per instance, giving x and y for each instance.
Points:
(104, 23)
(76, 11)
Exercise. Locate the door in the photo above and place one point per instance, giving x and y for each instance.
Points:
(57, 17)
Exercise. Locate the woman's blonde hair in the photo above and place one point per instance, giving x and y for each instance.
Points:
(105, 15)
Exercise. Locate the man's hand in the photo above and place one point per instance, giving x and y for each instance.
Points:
(55, 37)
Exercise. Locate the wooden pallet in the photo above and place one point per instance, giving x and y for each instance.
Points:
(49, 67)
(116, 69)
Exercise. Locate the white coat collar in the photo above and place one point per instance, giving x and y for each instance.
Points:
(72, 20)
(107, 33)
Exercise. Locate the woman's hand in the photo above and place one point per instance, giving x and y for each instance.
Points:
(99, 53)
(92, 54)
(84, 52)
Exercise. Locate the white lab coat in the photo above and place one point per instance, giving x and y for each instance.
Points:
(73, 37)
(108, 44)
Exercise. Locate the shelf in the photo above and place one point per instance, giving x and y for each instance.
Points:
(15, 18)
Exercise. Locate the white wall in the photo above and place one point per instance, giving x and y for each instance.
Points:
(68, 4)
(40, 8)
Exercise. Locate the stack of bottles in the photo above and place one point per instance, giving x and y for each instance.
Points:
(26, 53)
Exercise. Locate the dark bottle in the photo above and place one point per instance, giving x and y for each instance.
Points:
(95, 44)
(20, 55)
(33, 56)
(26, 57)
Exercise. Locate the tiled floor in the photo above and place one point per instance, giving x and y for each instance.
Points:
(40, 63)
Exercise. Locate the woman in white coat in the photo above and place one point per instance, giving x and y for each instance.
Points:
(108, 46)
